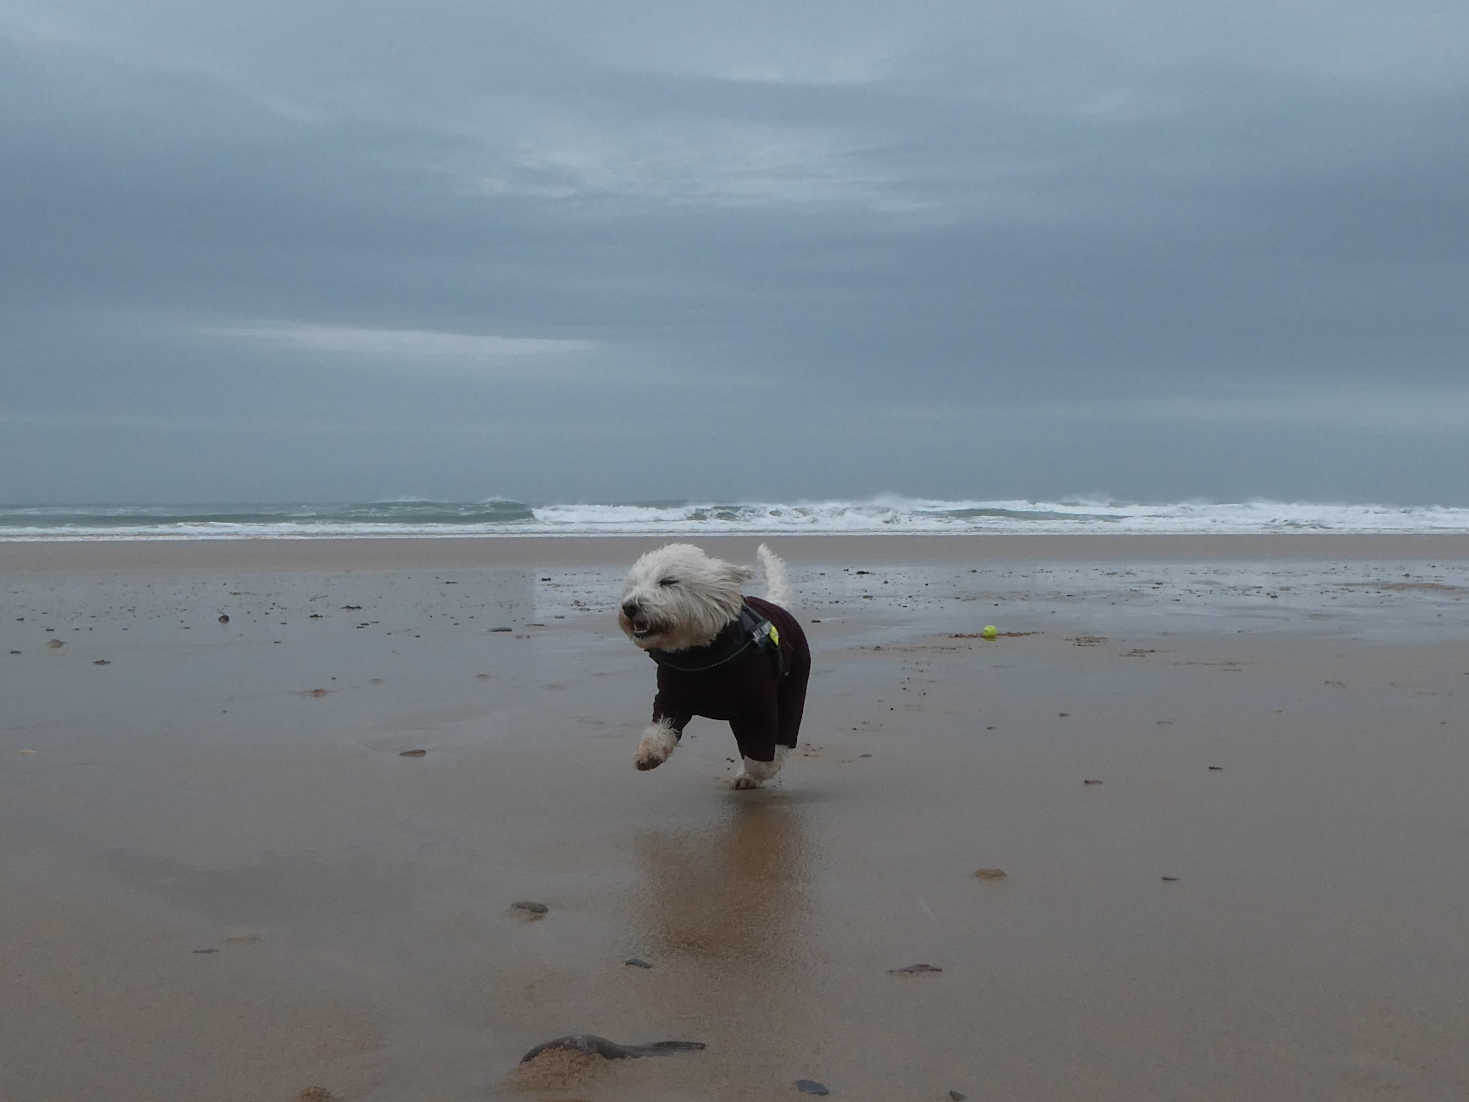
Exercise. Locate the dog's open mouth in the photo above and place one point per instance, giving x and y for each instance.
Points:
(639, 626)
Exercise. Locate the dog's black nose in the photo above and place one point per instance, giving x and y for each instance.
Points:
(630, 609)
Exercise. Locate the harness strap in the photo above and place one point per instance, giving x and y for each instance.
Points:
(749, 630)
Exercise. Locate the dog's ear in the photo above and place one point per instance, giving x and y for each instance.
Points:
(733, 574)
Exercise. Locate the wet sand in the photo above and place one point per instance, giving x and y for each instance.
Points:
(222, 879)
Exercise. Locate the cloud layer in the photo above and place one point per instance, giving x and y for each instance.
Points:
(571, 250)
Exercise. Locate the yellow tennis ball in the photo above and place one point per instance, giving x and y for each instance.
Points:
(990, 631)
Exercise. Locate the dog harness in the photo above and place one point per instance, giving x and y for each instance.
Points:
(749, 630)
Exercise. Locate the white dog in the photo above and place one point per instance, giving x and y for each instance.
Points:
(720, 654)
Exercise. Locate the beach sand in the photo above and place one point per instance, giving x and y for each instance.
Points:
(223, 880)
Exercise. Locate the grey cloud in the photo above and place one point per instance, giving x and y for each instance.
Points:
(1042, 215)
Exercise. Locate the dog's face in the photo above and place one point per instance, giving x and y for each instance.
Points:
(678, 597)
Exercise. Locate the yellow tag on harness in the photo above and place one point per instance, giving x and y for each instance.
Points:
(774, 635)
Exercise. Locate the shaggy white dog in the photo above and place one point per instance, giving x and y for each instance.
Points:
(720, 654)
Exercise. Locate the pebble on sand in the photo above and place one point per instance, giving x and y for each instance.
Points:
(412, 753)
(316, 1094)
(636, 962)
(529, 907)
(990, 874)
(224, 618)
(913, 970)
(811, 1086)
(55, 644)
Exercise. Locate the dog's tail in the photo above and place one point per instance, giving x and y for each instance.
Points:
(777, 585)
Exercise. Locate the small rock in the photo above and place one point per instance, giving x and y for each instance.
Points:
(316, 1094)
(317, 693)
(913, 970)
(1170, 879)
(811, 1086)
(530, 907)
(55, 644)
(957, 1096)
(224, 618)
(102, 662)
(500, 629)
(636, 962)
(412, 753)
(203, 952)
(1090, 780)
(990, 874)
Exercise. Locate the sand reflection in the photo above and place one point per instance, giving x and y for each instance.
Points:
(731, 892)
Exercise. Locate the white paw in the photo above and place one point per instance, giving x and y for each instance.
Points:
(655, 747)
(753, 773)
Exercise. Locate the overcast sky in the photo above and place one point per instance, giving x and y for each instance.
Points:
(275, 250)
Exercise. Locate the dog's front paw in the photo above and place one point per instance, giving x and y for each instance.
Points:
(745, 781)
(655, 747)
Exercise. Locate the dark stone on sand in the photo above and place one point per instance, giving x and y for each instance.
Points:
(102, 662)
(636, 962)
(957, 1096)
(55, 644)
(811, 1086)
(1216, 769)
(990, 874)
(202, 952)
(913, 970)
(593, 1045)
(1170, 879)
(224, 618)
(530, 907)
(412, 753)
(1090, 780)
(500, 629)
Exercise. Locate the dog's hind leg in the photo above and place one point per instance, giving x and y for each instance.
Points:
(755, 773)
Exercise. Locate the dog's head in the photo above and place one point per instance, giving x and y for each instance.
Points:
(678, 597)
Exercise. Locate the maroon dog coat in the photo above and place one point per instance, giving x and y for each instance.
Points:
(745, 675)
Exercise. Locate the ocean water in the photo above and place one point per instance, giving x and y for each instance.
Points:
(498, 517)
